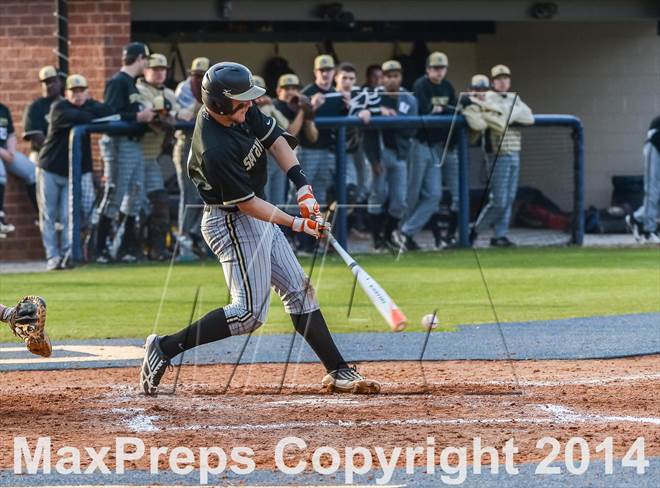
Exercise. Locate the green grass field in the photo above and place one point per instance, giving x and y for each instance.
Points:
(526, 284)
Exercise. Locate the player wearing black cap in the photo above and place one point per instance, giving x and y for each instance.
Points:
(123, 156)
(228, 165)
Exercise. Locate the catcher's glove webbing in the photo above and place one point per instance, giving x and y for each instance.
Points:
(27, 321)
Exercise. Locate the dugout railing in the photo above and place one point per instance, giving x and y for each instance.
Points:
(79, 133)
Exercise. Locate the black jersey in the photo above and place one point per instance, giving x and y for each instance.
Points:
(285, 110)
(430, 95)
(228, 164)
(54, 155)
(123, 96)
(332, 106)
(36, 117)
(6, 125)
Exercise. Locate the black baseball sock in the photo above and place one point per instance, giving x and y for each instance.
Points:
(315, 331)
(130, 243)
(102, 232)
(2, 196)
(210, 328)
(32, 195)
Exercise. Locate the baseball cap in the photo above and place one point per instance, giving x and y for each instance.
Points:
(134, 49)
(437, 59)
(157, 60)
(259, 81)
(288, 80)
(324, 61)
(76, 81)
(200, 65)
(391, 65)
(47, 72)
(499, 70)
(479, 81)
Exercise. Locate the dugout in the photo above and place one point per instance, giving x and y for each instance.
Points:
(597, 60)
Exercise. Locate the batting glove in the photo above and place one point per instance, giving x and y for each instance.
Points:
(306, 202)
(315, 228)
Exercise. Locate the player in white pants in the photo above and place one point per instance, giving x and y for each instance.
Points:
(229, 167)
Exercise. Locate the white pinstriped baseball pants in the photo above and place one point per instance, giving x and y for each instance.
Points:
(254, 256)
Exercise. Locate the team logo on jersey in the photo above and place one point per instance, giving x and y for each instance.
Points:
(404, 107)
(255, 152)
(439, 101)
(136, 98)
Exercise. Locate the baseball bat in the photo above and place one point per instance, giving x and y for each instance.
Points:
(379, 297)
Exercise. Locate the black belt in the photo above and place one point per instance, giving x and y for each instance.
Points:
(134, 138)
(208, 207)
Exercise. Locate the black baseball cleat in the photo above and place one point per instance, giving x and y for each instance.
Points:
(404, 242)
(104, 258)
(348, 380)
(501, 242)
(635, 227)
(153, 366)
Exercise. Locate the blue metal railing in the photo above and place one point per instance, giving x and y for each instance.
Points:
(341, 123)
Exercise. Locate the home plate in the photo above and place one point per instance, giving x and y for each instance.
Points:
(71, 354)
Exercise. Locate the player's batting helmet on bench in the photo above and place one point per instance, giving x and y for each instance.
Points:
(224, 82)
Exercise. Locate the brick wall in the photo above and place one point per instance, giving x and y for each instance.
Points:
(97, 30)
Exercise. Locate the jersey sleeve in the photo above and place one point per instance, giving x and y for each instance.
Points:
(34, 121)
(225, 171)
(10, 123)
(264, 128)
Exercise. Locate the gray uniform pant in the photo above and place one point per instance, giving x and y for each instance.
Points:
(21, 168)
(390, 183)
(450, 174)
(504, 186)
(53, 198)
(124, 172)
(319, 167)
(189, 217)
(647, 214)
(254, 256)
(424, 186)
(153, 181)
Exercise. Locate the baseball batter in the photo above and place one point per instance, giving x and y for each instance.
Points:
(228, 165)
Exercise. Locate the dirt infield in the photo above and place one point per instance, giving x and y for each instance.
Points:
(457, 401)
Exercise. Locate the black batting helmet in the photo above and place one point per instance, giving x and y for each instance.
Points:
(224, 82)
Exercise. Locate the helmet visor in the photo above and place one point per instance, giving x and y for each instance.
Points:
(250, 94)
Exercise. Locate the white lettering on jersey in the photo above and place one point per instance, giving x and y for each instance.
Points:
(251, 159)
(403, 107)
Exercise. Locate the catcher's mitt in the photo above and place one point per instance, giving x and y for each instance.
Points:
(28, 321)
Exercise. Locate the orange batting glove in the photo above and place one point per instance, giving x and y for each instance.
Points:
(315, 228)
(307, 202)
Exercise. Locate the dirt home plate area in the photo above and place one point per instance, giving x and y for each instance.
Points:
(449, 402)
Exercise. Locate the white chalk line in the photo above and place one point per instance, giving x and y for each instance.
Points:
(130, 390)
(136, 421)
(459, 383)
